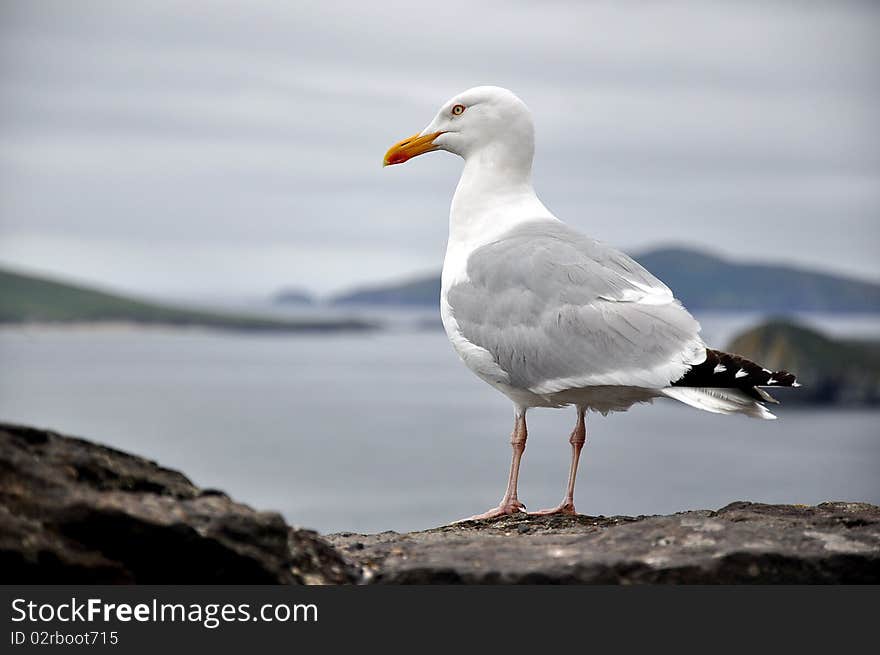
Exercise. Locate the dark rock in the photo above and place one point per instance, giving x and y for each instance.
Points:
(75, 512)
(740, 543)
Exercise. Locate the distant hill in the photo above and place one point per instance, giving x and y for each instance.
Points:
(831, 371)
(417, 291)
(699, 280)
(704, 281)
(29, 299)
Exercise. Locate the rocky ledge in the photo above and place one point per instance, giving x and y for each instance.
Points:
(741, 543)
(72, 511)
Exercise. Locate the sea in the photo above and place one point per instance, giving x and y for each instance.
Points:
(388, 430)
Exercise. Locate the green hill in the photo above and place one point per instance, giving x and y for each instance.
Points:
(29, 299)
(701, 281)
(829, 370)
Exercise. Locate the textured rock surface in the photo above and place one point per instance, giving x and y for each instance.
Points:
(75, 512)
(740, 543)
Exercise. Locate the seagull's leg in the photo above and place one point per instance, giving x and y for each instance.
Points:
(518, 442)
(578, 437)
(510, 503)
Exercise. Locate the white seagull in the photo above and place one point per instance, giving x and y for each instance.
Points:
(548, 316)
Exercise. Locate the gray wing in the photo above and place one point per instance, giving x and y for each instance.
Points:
(557, 310)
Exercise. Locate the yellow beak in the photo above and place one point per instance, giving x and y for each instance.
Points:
(408, 148)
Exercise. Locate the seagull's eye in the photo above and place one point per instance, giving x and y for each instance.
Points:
(458, 110)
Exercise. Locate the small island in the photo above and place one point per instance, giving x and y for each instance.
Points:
(294, 296)
(830, 371)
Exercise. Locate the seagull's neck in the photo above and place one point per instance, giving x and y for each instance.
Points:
(494, 194)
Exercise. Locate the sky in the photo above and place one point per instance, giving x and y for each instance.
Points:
(233, 148)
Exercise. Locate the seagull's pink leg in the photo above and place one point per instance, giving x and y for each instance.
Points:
(510, 503)
(578, 437)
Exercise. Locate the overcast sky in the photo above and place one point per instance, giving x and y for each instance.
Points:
(232, 148)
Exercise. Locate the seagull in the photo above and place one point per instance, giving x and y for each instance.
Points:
(549, 316)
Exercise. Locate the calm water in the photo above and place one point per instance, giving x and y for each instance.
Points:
(390, 431)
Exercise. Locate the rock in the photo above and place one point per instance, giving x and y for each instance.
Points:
(75, 512)
(740, 543)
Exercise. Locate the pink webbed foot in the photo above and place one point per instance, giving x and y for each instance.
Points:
(564, 508)
(504, 509)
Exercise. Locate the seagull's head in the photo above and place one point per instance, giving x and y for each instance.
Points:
(482, 119)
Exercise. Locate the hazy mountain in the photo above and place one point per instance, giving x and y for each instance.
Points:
(416, 291)
(839, 371)
(704, 281)
(701, 281)
(26, 298)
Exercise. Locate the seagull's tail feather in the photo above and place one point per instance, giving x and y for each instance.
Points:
(727, 371)
(729, 384)
(719, 401)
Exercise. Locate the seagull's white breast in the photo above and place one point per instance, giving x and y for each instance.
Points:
(471, 228)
